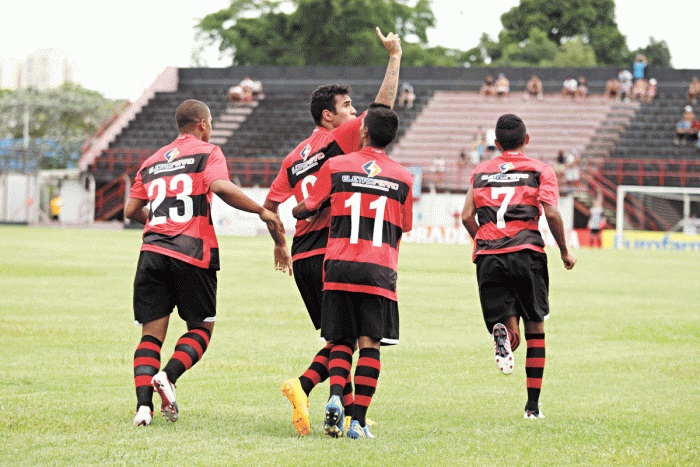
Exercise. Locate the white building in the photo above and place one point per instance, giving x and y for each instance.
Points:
(43, 69)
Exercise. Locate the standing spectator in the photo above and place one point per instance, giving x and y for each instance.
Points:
(337, 132)
(612, 88)
(406, 95)
(172, 196)
(478, 145)
(569, 88)
(581, 87)
(684, 128)
(596, 222)
(625, 78)
(652, 89)
(488, 88)
(502, 85)
(694, 90)
(55, 206)
(639, 67)
(507, 196)
(534, 88)
(371, 206)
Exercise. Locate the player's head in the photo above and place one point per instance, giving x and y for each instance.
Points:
(331, 105)
(379, 127)
(193, 117)
(510, 132)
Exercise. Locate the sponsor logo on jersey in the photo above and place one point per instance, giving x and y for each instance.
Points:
(305, 152)
(172, 154)
(371, 169)
(504, 177)
(171, 166)
(506, 166)
(309, 164)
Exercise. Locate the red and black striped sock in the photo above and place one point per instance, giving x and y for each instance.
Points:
(339, 367)
(514, 340)
(188, 351)
(318, 371)
(534, 368)
(348, 398)
(146, 365)
(366, 376)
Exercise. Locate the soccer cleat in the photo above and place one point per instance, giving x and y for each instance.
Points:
(166, 391)
(300, 405)
(502, 351)
(333, 424)
(348, 419)
(356, 431)
(144, 416)
(533, 414)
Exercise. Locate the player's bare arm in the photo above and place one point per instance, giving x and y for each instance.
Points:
(468, 214)
(136, 210)
(282, 257)
(388, 90)
(300, 212)
(556, 226)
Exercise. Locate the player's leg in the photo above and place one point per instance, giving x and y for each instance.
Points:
(534, 366)
(152, 303)
(366, 377)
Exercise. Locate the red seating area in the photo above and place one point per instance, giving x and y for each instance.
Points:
(450, 120)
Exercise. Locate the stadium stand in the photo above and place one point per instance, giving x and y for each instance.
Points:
(611, 137)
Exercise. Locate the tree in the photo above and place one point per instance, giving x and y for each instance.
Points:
(323, 32)
(574, 53)
(657, 53)
(60, 120)
(537, 50)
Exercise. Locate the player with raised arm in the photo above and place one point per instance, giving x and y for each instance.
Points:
(337, 132)
(506, 197)
(371, 205)
(172, 196)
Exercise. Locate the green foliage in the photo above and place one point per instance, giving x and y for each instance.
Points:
(575, 53)
(60, 120)
(657, 53)
(329, 32)
(619, 384)
(536, 50)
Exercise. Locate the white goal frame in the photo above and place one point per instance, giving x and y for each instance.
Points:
(679, 193)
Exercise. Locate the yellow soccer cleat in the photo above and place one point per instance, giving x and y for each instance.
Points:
(300, 405)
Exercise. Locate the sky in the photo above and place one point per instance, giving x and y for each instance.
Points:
(120, 49)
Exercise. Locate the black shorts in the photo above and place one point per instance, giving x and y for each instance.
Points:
(163, 283)
(513, 284)
(349, 315)
(308, 274)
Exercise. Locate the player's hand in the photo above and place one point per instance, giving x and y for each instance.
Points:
(392, 42)
(272, 220)
(569, 260)
(283, 260)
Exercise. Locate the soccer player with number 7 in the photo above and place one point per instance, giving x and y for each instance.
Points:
(506, 197)
(371, 205)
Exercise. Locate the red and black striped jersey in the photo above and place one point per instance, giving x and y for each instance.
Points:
(371, 206)
(297, 176)
(175, 181)
(508, 194)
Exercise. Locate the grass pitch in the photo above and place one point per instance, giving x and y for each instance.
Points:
(620, 386)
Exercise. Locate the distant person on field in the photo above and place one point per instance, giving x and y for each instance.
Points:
(534, 88)
(371, 206)
(406, 95)
(596, 222)
(337, 132)
(55, 206)
(506, 197)
(172, 196)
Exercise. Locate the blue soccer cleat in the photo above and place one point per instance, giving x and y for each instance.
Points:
(357, 431)
(333, 424)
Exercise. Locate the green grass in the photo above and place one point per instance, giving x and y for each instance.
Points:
(621, 385)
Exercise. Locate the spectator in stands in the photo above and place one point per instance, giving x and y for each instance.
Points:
(684, 128)
(502, 85)
(488, 88)
(639, 67)
(406, 95)
(438, 169)
(477, 153)
(572, 174)
(235, 93)
(652, 89)
(581, 87)
(569, 88)
(257, 89)
(560, 172)
(639, 89)
(612, 88)
(625, 78)
(694, 90)
(534, 88)
(490, 139)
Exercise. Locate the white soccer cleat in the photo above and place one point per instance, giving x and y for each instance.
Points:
(502, 349)
(532, 414)
(166, 391)
(144, 416)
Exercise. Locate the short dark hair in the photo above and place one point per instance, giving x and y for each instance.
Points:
(510, 132)
(323, 98)
(382, 123)
(191, 112)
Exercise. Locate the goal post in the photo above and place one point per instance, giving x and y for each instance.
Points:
(685, 195)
